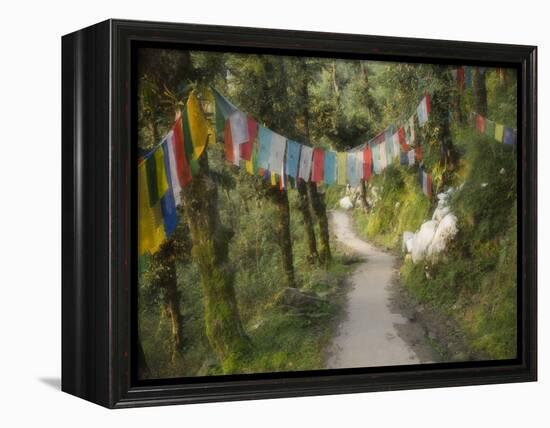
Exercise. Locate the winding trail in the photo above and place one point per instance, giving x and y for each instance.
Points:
(368, 336)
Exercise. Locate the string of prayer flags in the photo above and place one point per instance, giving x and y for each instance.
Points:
(318, 165)
(341, 159)
(306, 155)
(330, 167)
(292, 158)
(498, 131)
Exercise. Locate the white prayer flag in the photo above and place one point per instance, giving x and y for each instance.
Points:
(239, 128)
(174, 181)
(306, 156)
(277, 153)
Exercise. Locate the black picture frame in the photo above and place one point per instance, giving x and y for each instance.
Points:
(98, 213)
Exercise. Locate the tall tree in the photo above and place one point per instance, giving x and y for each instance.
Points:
(301, 186)
(210, 251)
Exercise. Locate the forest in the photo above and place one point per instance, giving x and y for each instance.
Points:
(248, 276)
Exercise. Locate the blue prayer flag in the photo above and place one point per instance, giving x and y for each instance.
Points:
(376, 158)
(167, 202)
(264, 140)
(468, 81)
(509, 136)
(330, 167)
(404, 159)
(292, 158)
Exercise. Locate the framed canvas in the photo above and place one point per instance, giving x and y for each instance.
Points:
(252, 213)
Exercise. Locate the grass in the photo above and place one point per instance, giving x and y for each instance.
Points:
(400, 206)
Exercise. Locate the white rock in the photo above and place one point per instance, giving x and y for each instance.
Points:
(446, 230)
(408, 237)
(346, 203)
(422, 240)
(483, 185)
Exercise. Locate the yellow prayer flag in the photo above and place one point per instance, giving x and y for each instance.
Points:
(273, 179)
(198, 126)
(162, 181)
(249, 167)
(341, 160)
(499, 132)
(150, 224)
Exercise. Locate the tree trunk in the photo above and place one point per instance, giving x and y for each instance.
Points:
(363, 195)
(163, 265)
(304, 206)
(210, 240)
(319, 208)
(301, 186)
(480, 92)
(280, 198)
(143, 367)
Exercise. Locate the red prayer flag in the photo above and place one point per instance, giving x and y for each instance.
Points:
(460, 77)
(418, 152)
(403, 140)
(228, 142)
(318, 173)
(182, 164)
(428, 103)
(367, 163)
(246, 148)
(480, 123)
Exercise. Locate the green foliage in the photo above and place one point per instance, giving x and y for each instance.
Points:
(400, 206)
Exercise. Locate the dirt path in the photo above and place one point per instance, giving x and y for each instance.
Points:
(369, 336)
